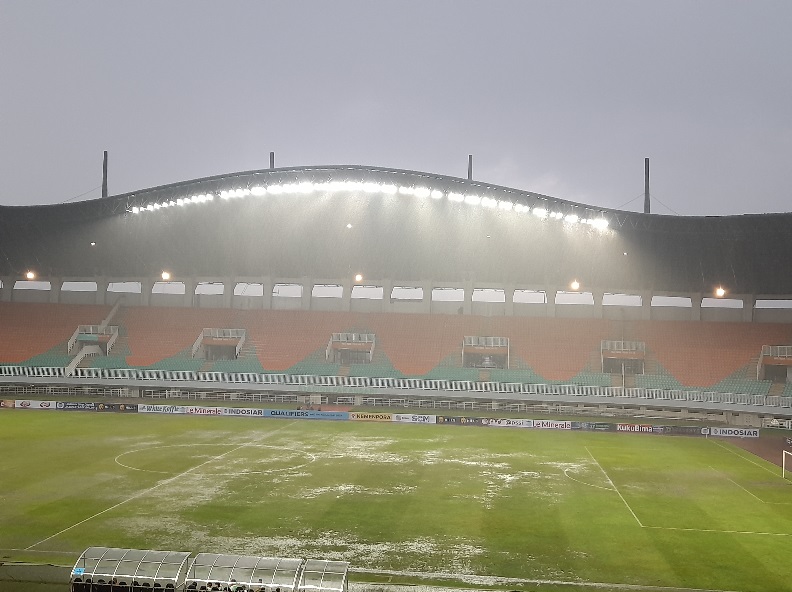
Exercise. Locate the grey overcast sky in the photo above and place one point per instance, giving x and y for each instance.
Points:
(560, 97)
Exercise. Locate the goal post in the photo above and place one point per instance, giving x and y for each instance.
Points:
(786, 464)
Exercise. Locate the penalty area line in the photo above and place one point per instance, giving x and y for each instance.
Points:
(747, 459)
(150, 489)
(614, 487)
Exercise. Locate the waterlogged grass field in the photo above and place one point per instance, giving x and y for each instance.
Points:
(530, 509)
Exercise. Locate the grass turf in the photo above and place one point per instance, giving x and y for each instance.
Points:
(534, 505)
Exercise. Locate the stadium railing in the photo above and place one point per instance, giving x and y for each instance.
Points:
(369, 385)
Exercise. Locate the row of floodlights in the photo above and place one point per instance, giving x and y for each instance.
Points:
(383, 188)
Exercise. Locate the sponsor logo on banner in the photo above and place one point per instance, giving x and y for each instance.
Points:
(634, 427)
(448, 419)
(547, 424)
(31, 404)
(496, 422)
(7, 404)
(115, 407)
(76, 406)
(474, 421)
(306, 414)
(204, 410)
(242, 411)
(355, 416)
(414, 418)
(685, 430)
(597, 426)
(161, 409)
(735, 432)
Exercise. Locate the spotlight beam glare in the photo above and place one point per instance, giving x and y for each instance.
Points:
(571, 217)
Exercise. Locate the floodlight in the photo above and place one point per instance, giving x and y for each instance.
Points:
(275, 189)
(258, 190)
(489, 202)
(406, 190)
(389, 189)
(30, 275)
(210, 196)
(599, 223)
(135, 210)
(422, 192)
(358, 277)
(575, 285)
(436, 194)
(166, 276)
(371, 187)
(571, 218)
(349, 225)
(720, 292)
(150, 208)
(304, 187)
(505, 205)
(93, 243)
(456, 197)
(473, 200)
(540, 213)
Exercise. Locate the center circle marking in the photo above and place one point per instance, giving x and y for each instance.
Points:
(311, 458)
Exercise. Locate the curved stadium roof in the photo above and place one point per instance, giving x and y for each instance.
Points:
(405, 226)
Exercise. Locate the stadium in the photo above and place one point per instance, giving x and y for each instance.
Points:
(638, 365)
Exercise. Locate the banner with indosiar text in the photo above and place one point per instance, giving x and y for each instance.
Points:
(735, 432)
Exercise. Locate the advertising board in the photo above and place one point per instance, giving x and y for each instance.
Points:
(414, 418)
(735, 432)
(357, 416)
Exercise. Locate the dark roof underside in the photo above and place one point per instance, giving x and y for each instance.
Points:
(393, 236)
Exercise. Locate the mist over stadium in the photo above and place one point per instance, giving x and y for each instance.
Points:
(397, 303)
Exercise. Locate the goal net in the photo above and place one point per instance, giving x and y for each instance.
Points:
(786, 464)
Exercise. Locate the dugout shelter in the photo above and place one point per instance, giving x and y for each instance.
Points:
(214, 571)
(109, 569)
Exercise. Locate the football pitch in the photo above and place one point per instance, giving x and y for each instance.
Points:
(516, 509)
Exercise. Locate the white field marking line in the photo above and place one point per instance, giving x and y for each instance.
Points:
(150, 489)
(584, 483)
(72, 553)
(782, 534)
(496, 580)
(236, 474)
(749, 460)
(614, 487)
(752, 494)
